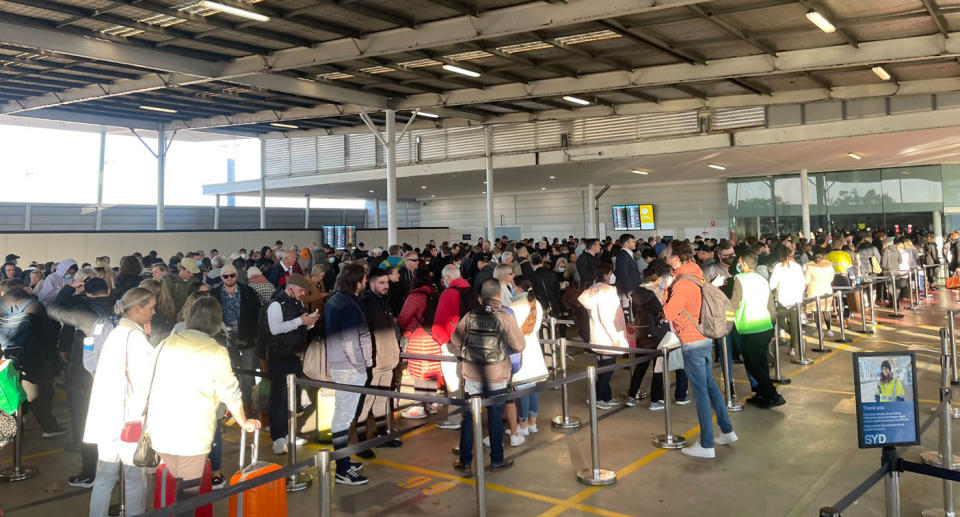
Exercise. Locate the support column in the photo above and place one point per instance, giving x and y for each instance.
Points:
(591, 213)
(376, 212)
(805, 202)
(103, 148)
(306, 213)
(391, 145)
(216, 214)
(161, 172)
(488, 142)
(263, 184)
(27, 216)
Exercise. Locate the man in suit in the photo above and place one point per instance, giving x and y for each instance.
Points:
(546, 285)
(278, 275)
(627, 272)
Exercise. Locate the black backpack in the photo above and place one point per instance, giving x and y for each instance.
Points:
(15, 330)
(469, 300)
(431, 309)
(648, 318)
(484, 341)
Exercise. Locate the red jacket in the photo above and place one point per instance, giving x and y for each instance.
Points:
(684, 294)
(448, 311)
(411, 315)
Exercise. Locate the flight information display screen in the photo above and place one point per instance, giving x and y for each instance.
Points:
(633, 217)
(340, 237)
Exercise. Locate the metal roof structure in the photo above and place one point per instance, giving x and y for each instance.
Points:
(253, 67)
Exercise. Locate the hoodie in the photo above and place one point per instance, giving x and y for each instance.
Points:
(685, 295)
(53, 283)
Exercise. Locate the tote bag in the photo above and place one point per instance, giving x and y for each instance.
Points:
(671, 341)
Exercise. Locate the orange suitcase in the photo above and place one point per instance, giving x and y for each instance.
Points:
(267, 500)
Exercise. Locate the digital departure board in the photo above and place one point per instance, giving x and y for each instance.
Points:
(340, 237)
(633, 217)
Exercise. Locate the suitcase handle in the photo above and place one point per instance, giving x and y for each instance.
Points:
(243, 447)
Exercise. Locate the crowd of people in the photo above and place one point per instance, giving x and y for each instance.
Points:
(156, 344)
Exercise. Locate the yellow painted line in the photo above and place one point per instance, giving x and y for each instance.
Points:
(497, 488)
(38, 455)
(420, 431)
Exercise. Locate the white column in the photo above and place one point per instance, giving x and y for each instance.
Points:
(591, 213)
(488, 141)
(392, 237)
(27, 216)
(161, 171)
(216, 214)
(263, 184)
(306, 213)
(376, 212)
(103, 148)
(805, 202)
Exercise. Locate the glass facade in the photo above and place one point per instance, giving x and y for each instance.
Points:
(874, 199)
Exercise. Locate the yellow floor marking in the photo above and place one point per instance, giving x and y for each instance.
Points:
(420, 431)
(38, 455)
(498, 488)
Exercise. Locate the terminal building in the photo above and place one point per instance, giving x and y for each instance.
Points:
(346, 131)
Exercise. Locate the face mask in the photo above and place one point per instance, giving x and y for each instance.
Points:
(331, 259)
(199, 263)
(68, 277)
(613, 279)
(243, 256)
(728, 261)
(739, 268)
(561, 269)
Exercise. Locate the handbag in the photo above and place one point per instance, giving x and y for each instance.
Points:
(144, 456)
(672, 342)
(953, 282)
(875, 265)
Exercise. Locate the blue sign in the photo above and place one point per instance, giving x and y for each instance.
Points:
(887, 410)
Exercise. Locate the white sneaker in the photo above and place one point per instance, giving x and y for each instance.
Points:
(532, 428)
(280, 446)
(523, 431)
(656, 406)
(486, 441)
(517, 440)
(698, 451)
(300, 442)
(602, 404)
(829, 333)
(416, 412)
(726, 438)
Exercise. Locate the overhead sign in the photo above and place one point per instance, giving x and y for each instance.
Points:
(887, 410)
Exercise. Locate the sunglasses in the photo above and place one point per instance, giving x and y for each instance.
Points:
(228, 276)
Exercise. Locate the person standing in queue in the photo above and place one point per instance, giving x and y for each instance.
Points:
(349, 355)
(483, 341)
(287, 326)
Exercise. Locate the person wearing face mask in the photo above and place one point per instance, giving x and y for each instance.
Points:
(607, 328)
(54, 282)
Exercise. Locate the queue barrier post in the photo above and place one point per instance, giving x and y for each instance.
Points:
(873, 303)
(777, 376)
(829, 511)
(863, 306)
(300, 480)
(955, 365)
(322, 464)
(18, 472)
(595, 475)
(476, 410)
(935, 458)
(843, 325)
(668, 440)
(891, 488)
(801, 357)
(726, 371)
(818, 300)
(564, 420)
(895, 297)
(552, 334)
(914, 290)
(922, 284)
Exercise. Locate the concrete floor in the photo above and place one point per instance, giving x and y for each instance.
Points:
(789, 461)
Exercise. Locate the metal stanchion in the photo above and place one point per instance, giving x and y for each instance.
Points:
(863, 307)
(801, 357)
(300, 480)
(18, 472)
(726, 371)
(819, 312)
(668, 440)
(895, 297)
(595, 475)
(891, 486)
(955, 366)
(914, 290)
(873, 304)
(946, 412)
(843, 325)
(564, 420)
(322, 463)
(476, 409)
(829, 511)
(552, 333)
(777, 375)
(922, 283)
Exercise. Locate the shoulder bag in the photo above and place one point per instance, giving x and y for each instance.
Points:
(144, 456)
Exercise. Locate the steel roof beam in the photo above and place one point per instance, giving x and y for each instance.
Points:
(74, 66)
(752, 86)
(727, 26)
(576, 50)
(636, 94)
(377, 14)
(820, 8)
(934, 10)
(652, 41)
(460, 6)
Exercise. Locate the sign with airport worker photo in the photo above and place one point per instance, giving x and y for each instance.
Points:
(887, 411)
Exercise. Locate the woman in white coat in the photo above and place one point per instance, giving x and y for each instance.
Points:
(607, 328)
(529, 314)
(120, 385)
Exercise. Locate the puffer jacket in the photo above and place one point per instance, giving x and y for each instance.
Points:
(607, 324)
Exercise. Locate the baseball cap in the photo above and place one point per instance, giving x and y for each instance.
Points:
(191, 266)
(298, 280)
(11, 257)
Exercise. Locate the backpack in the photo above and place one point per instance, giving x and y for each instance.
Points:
(93, 344)
(15, 330)
(469, 300)
(484, 338)
(716, 310)
(648, 319)
(431, 309)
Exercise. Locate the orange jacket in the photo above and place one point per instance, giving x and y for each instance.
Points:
(684, 294)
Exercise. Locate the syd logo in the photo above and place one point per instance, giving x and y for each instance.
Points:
(874, 439)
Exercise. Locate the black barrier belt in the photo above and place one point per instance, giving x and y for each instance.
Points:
(380, 440)
(930, 470)
(930, 419)
(622, 350)
(379, 393)
(862, 488)
(424, 357)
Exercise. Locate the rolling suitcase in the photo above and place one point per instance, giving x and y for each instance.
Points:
(265, 500)
(167, 488)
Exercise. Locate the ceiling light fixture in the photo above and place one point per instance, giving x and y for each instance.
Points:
(236, 11)
(640, 171)
(576, 100)
(855, 156)
(881, 73)
(371, 192)
(715, 166)
(543, 188)
(553, 177)
(433, 195)
(484, 192)
(155, 108)
(461, 71)
(423, 186)
(428, 115)
(821, 22)
(285, 126)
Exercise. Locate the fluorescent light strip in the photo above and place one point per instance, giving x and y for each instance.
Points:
(639, 171)
(881, 73)
(715, 166)
(855, 156)
(821, 22)
(576, 100)
(155, 108)
(285, 126)
(236, 11)
(428, 115)
(461, 71)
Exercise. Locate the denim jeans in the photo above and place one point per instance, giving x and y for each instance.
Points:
(108, 474)
(216, 449)
(494, 422)
(245, 359)
(345, 411)
(604, 393)
(698, 363)
(528, 406)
